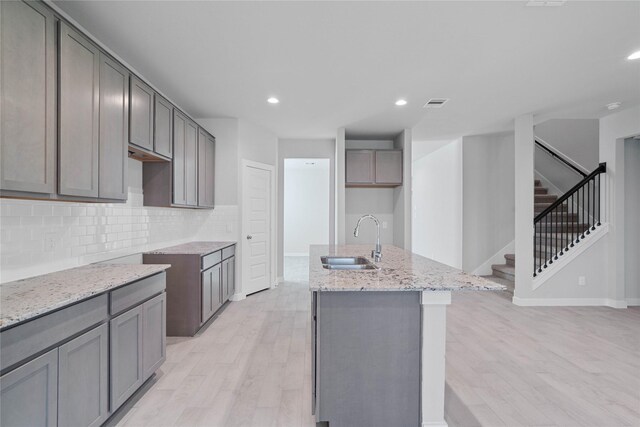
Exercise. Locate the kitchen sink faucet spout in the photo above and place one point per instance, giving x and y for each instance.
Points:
(376, 254)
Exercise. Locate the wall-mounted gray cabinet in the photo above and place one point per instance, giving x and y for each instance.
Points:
(29, 394)
(373, 168)
(83, 380)
(114, 125)
(28, 92)
(163, 127)
(79, 92)
(206, 169)
(141, 114)
(179, 158)
(191, 163)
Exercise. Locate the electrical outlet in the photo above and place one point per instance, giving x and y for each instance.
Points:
(384, 224)
(582, 281)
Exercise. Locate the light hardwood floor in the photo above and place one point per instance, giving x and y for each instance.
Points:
(506, 365)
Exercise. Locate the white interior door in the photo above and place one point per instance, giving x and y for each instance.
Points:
(256, 228)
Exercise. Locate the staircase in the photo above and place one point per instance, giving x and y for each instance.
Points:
(551, 238)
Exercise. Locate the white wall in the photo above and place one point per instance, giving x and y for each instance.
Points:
(39, 237)
(576, 139)
(614, 129)
(375, 201)
(632, 220)
(488, 197)
(437, 201)
(307, 189)
(257, 143)
(313, 149)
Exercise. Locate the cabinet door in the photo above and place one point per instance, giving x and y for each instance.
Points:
(154, 334)
(207, 300)
(28, 92)
(163, 127)
(216, 287)
(79, 107)
(126, 356)
(389, 167)
(83, 372)
(225, 280)
(179, 127)
(141, 114)
(360, 166)
(206, 169)
(191, 163)
(29, 394)
(114, 125)
(231, 276)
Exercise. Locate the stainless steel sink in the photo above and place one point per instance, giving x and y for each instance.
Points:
(347, 263)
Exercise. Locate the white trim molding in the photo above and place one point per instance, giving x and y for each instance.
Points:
(237, 297)
(432, 375)
(568, 302)
(570, 255)
(633, 302)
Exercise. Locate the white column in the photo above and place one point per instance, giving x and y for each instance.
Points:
(434, 339)
(524, 177)
(340, 187)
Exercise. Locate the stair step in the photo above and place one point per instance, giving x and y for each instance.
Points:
(540, 190)
(545, 198)
(504, 271)
(537, 183)
(511, 259)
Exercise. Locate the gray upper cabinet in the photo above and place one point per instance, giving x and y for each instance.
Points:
(360, 166)
(28, 394)
(371, 168)
(389, 167)
(83, 385)
(206, 169)
(28, 92)
(191, 163)
(114, 124)
(79, 64)
(178, 164)
(154, 334)
(141, 114)
(163, 127)
(126, 356)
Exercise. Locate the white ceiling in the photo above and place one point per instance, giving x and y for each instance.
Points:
(343, 64)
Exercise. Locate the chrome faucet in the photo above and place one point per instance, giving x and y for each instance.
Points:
(376, 254)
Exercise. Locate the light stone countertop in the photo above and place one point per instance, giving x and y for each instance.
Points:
(192, 248)
(28, 298)
(400, 270)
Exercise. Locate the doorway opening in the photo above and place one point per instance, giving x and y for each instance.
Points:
(307, 185)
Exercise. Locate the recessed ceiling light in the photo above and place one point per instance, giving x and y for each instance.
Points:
(401, 102)
(634, 55)
(273, 100)
(614, 105)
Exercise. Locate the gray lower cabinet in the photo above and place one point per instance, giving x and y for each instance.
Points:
(28, 92)
(79, 92)
(83, 380)
(29, 394)
(228, 278)
(114, 125)
(126, 355)
(206, 169)
(154, 334)
(163, 127)
(141, 114)
(211, 292)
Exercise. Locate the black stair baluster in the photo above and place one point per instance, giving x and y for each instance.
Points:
(588, 206)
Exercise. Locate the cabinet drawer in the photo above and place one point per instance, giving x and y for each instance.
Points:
(228, 252)
(135, 293)
(24, 341)
(211, 260)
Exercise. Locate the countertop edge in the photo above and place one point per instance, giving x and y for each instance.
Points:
(201, 254)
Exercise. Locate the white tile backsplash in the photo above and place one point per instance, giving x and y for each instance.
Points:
(38, 237)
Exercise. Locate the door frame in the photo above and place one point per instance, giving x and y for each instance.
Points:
(240, 294)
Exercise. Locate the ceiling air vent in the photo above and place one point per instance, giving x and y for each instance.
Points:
(435, 103)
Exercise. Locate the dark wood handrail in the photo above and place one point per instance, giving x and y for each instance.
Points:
(602, 168)
(560, 158)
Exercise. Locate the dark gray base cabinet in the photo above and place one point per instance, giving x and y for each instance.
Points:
(88, 351)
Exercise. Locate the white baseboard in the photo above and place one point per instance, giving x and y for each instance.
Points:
(570, 255)
(498, 258)
(237, 297)
(633, 302)
(568, 302)
(279, 279)
(432, 424)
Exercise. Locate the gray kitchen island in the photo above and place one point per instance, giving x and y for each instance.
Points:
(379, 334)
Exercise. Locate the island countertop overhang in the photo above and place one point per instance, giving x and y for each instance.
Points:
(399, 270)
